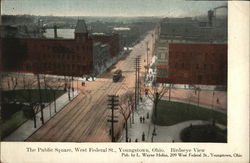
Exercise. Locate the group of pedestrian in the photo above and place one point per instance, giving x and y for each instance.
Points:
(142, 119)
(149, 78)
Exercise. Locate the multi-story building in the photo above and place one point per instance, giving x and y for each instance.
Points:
(112, 40)
(192, 63)
(190, 29)
(55, 56)
(102, 58)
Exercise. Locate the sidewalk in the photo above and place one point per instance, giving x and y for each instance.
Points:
(163, 133)
(27, 128)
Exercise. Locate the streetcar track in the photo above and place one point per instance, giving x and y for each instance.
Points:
(102, 120)
(78, 111)
(85, 118)
(60, 117)
(96, 113)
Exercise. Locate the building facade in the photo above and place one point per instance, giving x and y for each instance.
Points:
(71, 57)
(112, 40)
(193, 63)
(189, 29)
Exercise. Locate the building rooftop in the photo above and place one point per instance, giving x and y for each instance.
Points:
(81, 27)
(121, 29)
(169, 41)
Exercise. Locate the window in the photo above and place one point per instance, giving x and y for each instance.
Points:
(212, 67)
(199, 78)
(197, 66)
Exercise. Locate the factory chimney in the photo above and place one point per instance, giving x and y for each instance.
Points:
(55, 31)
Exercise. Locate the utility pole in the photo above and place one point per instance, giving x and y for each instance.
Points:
(69, 87)
(147, 58)
(72, 88)
(113, 103)
(139, 83)
(137, 80)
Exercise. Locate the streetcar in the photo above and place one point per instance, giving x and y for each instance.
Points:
(117, 75)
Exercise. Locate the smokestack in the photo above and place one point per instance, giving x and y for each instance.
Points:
(55, 31)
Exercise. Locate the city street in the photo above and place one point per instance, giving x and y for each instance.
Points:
(85, 118)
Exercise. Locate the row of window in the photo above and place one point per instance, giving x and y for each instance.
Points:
(55, 66)
(200, 78)
(60, 56)
(197, 66)
(194, 54)
(53, 47)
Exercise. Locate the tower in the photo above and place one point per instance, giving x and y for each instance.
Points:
(81, 32)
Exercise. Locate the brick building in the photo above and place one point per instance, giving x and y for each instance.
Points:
(55, 56)
(192, 63)
(111, 40)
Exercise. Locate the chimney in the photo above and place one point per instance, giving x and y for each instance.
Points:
(55, 31)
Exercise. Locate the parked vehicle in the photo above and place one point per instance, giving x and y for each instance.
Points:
(117, 75)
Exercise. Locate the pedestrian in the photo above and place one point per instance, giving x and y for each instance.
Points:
(129, 139)
(143, 119)
(141, 99)
(218, 101)
(147, 115)
(143, 136)
(140, 119)
(173, 140)
(136, 140)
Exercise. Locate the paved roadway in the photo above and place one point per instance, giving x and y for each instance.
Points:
(85, 118)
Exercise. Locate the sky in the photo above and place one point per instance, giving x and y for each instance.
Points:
(164, 8)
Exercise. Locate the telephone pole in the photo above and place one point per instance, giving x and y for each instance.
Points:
(113, 103)
(147, 58)
(137, 80)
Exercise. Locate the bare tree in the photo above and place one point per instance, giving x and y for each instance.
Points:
(28, 85)
(12, 82)
(155, 94)
(126, 108)
(54, 85)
